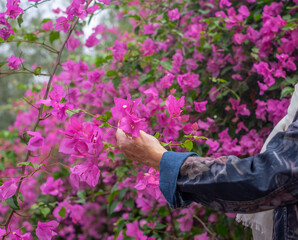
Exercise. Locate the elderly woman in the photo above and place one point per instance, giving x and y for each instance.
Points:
(255, 184)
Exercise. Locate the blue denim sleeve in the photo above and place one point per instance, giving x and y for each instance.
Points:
(230, 184)
(169, 170)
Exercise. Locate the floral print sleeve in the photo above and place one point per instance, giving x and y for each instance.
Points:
(265, 181)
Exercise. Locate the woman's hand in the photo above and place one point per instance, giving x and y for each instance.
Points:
(144, 149)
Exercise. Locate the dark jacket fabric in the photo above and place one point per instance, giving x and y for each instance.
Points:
(266, 181)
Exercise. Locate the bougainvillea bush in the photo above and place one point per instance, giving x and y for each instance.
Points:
(207, 76)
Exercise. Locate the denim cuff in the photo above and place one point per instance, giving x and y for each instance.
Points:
(168, 173)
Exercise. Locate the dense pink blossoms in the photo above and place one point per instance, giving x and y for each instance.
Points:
(219, 69)
(45, 230)
(125, 113)
(14, 62)
(174, 106)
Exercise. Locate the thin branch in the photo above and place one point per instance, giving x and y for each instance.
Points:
(172, 221)
(21, 72)
(204, 226)
(27, 100)
(35, 5)
(46, 46)
(57, 62)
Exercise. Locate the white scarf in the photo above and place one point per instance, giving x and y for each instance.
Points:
(261, 223)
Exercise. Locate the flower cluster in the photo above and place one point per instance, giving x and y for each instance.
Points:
(180, 70)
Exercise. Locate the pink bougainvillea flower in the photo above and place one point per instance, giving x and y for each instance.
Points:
(174, 106)
(8, 189)
(261, 109)
(14, 62)
(125, 112)
(188, 81)
(213, 146)
(263, 87)
(240, 109)
(177, 61)
(85, 172)
(56, 10)
(149, 29)
(241, 126)
(59, 109)
(224, 3)
(66, 205)
(45, 230)
(119, 49)
(167, 80)
(47, 26)
(174, 14)
(133, 230)
(200, 106)
(262, 68)
(6, 32)
(92, 41)
(17, 235)
(243, 11)
(106, 2)
(186, 221)
(148, 47)
(72, 43)
(52, 187)
(202, 236)
(57, 93)
(2, 232)
(81, 139)
(148, 182)
(76, 213)
(62, 24)
(13, 9)
(95, 76)
(36, 142)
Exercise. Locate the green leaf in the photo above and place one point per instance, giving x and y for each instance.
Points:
(188, 144)
(28, 163)
(129, 203)
(2, 166)
(3, 63)
(116, 81)
(166, 65)
(54, 35)
(136, 17)
(200, 137)
(286, 91)
(156, 135)
(289, 26)
(21, 197)
(221, 229)
(45, 211)
(105, 124)
(112, 73)
(20, 20)
(30, 37)
(111, 155)
(62, 212)
(112, 207)
(35, 165)
(46, 20)
(12, 202)
(37, 71)
(160, 226)
(82, 196)
(73, 111)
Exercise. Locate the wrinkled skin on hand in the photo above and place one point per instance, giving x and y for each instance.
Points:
(144, 149)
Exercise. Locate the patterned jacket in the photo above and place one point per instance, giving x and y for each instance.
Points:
(266, 181)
